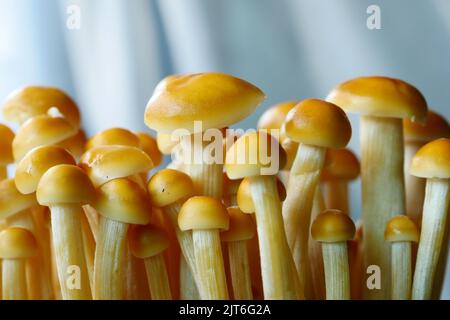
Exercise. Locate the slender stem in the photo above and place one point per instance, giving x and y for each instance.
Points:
(383, 192)
(89, 247)
(336, 195)
(209, 265)
(188, 287)
(158, 279)
(240, 270)
(434, 219)
(109, 260)
(14, 282)
(93, 219)
(401, 271)
(337, 276)
(414, 186)
(355, 258)
(134, 274)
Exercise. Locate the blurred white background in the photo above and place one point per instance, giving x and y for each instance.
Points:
(292, 49)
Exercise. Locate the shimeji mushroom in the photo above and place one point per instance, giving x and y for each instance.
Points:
(316, 125)
(382, 103)
(113, 136)
(206, 217)
(333, 229)
(16, 246)
(401, 232)
(150, 147)
(432, 162)
(6, 156)
(75, 144)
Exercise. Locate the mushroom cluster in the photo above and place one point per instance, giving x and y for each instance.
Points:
(235, 214)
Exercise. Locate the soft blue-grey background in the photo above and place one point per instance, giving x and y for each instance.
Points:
(292, 49)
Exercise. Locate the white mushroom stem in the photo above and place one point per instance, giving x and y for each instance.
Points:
(188, 287)
(157, 278)
(414, 186)
(14, 282)
(89, 247)
(134, 273)
(401, 271)
(93, 219)
(434, 219)
(240, 270)
(383, 194)
(336, 194)
(337, 276)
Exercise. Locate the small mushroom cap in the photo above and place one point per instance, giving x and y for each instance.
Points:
(17, 243)
(123, 200)
(65, 184)
(147, 241)
(244, 195)
(203, 213)
(216, 99)
(32, 101)
(166, 142)
(113, 136)
(318, 123)
(254, 154)
(168, 186)
(41, 131)
(401, 228)
(273, 117)
(434, 128)
(12, 201)
(291, 148)
(432, 160)
(241, 226)
(75, 144)
(105, 163)
(36, 162)
(150, 147)
(6, 139)
(340, 164)
(332, 226)
(380, 96)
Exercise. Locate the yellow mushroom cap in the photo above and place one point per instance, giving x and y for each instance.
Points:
(113, 136)
(32, 101)
(244, 195)
(40, 131)
(273, 117)
(203, 213)
(340, 164)
(150, 147)
(216, 99)
(6, 139)
(36, 162)
(432, 160)
(65, 184)
(17, 243)
(291, 148)
(166, 142)
(75, 144)
(381, 97)
(401, 228)
(332, 226)
(168, 186)
(319, 123)
(123, 200)
(241, 226)
(12, 201)
(147, 241)
(254, 154)
(106, 163)
(434, 128)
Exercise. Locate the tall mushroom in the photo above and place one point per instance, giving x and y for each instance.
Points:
(6, 156)
(382, 103)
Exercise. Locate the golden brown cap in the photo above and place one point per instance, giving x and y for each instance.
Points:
(32, 101)
(432, 160)
(105, 163)
(203, 213)
(380, 96)
(291, 148)
(434, 128)
(244, 195)
(113, 136)
(166, 142)
(254, 154)
(36, 162)
(75, 144)
(6, 139)
(41, 131)
(332, 226)
(65, 184)
(123, 200)
(241, 226)
(216, 99)
(273, 117)
(147, 241)
(12, 201)
(319, 123)
(17, 243)
(150, 147)
(340, 164)
(168, 186)
(401, 228)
